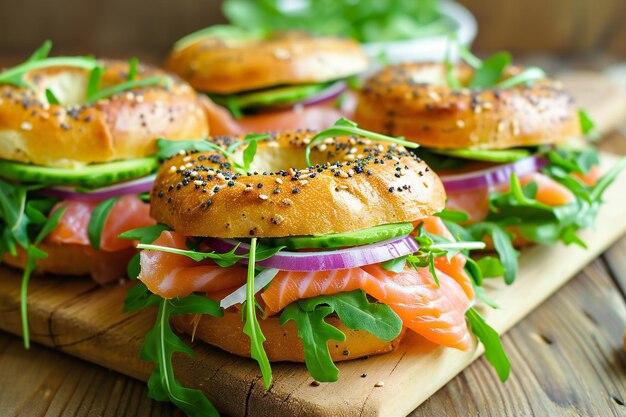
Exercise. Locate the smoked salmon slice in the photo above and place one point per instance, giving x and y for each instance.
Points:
(129, 212)
(435, 312)
(170, 275)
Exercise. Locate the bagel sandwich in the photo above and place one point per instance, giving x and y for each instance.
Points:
(261, 82)
(77, 144)
(506, 141)
(305, 247)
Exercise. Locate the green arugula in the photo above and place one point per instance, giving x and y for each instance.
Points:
(51, 97)
(132, 69)
(39, 60)
(353, 309)
(494, 351)
(364, 20)
(98, 219)
(222, 259)
(587, 125)
(503, 245)
(490, 72)
(34, 254)
(251, 326)
(161, 343)
(168, 148)
(345, 127)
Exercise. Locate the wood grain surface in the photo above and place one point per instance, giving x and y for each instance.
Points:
(567, 358)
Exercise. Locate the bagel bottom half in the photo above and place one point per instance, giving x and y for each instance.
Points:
(77, 260)
(283, 343)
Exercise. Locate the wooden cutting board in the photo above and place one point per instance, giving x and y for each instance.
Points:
(82, 319)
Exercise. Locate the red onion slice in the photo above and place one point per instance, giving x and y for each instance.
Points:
(493, 176)
(331, 92)
(327, 261)
(137, 186)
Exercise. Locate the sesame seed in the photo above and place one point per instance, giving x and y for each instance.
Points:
(304, 182)
(350, 157)
(181, 168)
(379, 384)
(278, 180)
(343, 187)
(188, 165)
(193, 174)
(460, 123)
(260, 185)
(197, 182)
(322, 147)
(278, 219)
(187, 158)
(173, 168)
(220, 176)
(248, 189)
(343, 175)
(263, 197)
(27, 126)
(315, 383)
(182, 152)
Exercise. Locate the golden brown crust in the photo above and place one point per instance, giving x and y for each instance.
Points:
(224, 67)
(77, 260)
(414, 101)
(122, 126)
(282, 341)
(355, 184)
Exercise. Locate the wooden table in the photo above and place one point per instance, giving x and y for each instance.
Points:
(567, 359)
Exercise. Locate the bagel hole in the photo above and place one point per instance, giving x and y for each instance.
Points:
(276, 158)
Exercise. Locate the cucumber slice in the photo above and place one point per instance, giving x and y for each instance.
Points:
(489, 155)
(269, 97)
(336, 240)
(90, 176)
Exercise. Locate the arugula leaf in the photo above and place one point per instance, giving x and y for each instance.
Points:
(353, 309)
(222, 259)
(248, 155)
(494, 351)
(159, 346)
(491, 267)
(502, 244)
(38, 60)
(315, 334)
(97, 221)
(12, 206)
(586, 122)
(394, 265)
(527, 76)
(94, 96)
(357, 313)
(93, 83)
(454, 216)
(345, 127)
(251, 137)
(52, 99)
(33, 254)
(147, 234)
(490, 71)
(251, 326)
(132, 69)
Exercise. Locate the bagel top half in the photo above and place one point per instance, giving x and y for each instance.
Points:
(226, 66)
(354, 183)
(73, 133)
(415, 101)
